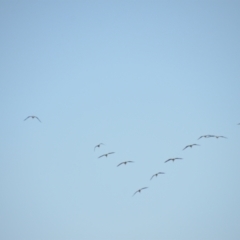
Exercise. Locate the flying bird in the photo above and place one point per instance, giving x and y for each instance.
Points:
(172, 159)
(206, 136)
(219, 136)
(124, 163)
(98, 145)
(139, 190)
(191, 145)
(32, 118)
(156, 174)
(105, 155)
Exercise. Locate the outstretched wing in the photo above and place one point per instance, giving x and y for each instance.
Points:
(111, 152)
(120, 164)
(102, 155)
(152, 176)
(221, 136)
(37, 119)
(135, 192)
(211, 135)
(186, 147)
(168, 160)
(96, 146)
(27, 118)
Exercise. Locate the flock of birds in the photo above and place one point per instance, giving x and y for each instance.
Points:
(126, 162)
(170, 159)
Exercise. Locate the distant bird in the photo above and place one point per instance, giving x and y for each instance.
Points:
(139, 190)
(124, 163)
(219, 136)
(238, 123)
(206, 136)
(32, 118)
(105, 155)
(172, 159)
(191, 145)
(156, 174)
(98, 145)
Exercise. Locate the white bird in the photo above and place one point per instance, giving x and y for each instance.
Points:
(32, 118)
(139, 190)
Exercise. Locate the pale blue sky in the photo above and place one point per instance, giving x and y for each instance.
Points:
(146, 78)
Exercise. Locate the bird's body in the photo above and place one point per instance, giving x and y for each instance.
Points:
(156, 174)
(105, 155)
(124, 163)
(191, 145)
(139, 190)
(172, 159)
(32, 118)
(98, 145)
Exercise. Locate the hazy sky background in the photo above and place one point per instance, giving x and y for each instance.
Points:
(146, 78)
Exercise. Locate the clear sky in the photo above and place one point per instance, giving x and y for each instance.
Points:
(146, 78)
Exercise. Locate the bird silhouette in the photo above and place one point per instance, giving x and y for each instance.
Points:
(156, 174)
(219, 136)
(172, 159)
(105, 155)
(206, 136)
(191, 145)
(124, 163)
(139, 190)
(32, 118)
(98, 145)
